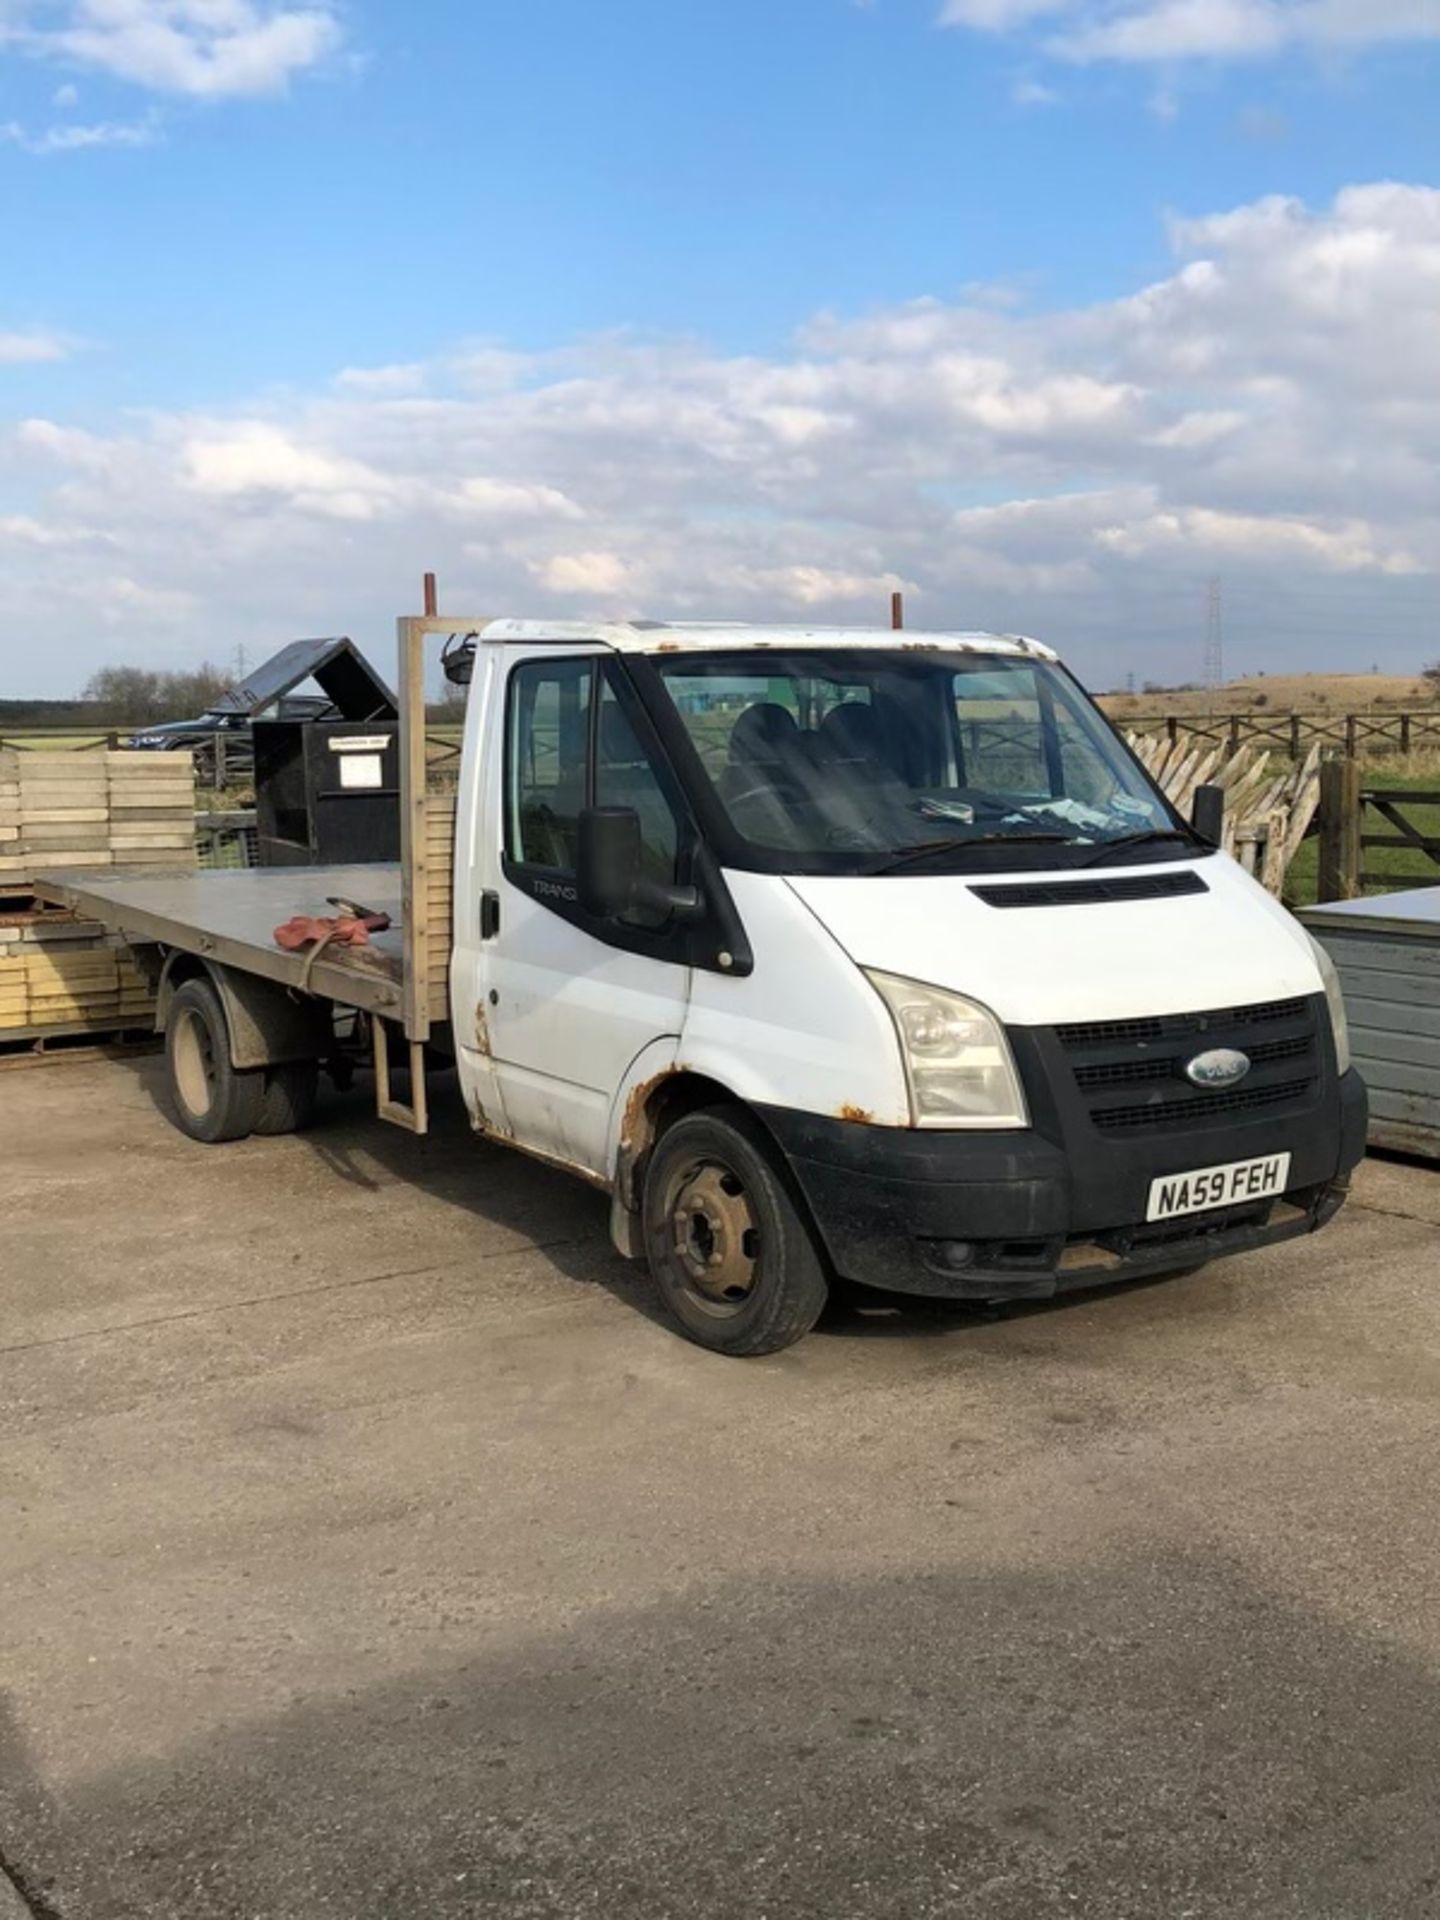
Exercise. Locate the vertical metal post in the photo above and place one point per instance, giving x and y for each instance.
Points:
(897, 612)
(414, 834)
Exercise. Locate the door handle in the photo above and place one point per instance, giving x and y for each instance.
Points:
(489, 915)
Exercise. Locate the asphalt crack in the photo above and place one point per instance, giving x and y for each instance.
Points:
(1394, 1213)
(32, 1903)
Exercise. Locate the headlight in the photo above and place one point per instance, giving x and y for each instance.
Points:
(957, 1060)
(1339, 1023)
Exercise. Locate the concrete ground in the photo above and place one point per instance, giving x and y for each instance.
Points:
(369, 1550)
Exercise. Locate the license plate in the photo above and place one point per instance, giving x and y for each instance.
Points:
(1209, 1187)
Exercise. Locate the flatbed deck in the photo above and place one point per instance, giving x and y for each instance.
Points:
(231, 917)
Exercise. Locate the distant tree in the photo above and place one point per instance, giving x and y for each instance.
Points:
(1431, 678)
(139, 697)
(450, 707)
(126, 696)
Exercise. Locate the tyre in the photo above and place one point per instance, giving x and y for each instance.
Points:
(288, 1103)
(209, 1100)
(730, 1252)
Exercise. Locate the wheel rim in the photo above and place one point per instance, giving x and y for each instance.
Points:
(194, 1063)
(713, 1238)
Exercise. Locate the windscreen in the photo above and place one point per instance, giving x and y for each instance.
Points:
(857, 760)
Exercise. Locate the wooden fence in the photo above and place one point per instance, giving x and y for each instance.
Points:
(1268, 814)
(1355, 735)
(1350, 813)
(66, 739)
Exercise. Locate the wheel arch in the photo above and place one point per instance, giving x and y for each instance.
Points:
(266, 1024)
(658, 1091)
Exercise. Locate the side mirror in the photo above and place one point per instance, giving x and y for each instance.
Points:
(608, 870)
(1208, 814)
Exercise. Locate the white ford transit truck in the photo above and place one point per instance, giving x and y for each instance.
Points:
(827, 953)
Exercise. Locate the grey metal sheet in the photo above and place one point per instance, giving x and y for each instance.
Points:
(231, 917)
(1372, 1015)
(337, 666)
(1387, 953)
(1399, 954)
(1414, 1049)
(1416, 912)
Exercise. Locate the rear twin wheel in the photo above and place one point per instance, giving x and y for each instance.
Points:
(211, 1099)
(732, 1255)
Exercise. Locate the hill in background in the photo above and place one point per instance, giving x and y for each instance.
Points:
(1283, 692)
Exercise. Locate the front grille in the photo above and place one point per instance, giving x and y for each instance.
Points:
(1130, 1074)
(1193, 1112)
(1179, 1026)
(1091, 893)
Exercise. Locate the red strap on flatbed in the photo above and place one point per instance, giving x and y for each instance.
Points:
(345, 930)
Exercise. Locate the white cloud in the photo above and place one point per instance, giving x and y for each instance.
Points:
(19, 529)
(1344, 547)
(1267, 410)
(25, 349)
(509, 499)
(831, 587)
(1033, 93)
(405, 378)
(1176, 30)
(206, 49)
(598, 577)
(76, 136)
(70, 446)
(256, 462)
(997, 16)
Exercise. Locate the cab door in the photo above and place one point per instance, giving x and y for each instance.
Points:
(573, 1000)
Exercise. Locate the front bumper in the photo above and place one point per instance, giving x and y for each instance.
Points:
(975, 1216)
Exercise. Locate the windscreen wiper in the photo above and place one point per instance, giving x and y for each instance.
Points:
(1150, 836)
(906, 855)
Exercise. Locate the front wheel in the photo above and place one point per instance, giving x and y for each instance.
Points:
(733, 1258)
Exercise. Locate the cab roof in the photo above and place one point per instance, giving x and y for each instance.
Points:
(698, 636)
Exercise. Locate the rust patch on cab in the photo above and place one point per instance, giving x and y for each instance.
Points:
(482, 1031)
(630, 1123)
(859, 1116)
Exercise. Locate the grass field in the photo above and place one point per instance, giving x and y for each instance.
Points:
(25, 741)
(1400, 868)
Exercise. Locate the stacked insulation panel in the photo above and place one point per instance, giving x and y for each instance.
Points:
(440, 805)
(82, 809)
(60, 975)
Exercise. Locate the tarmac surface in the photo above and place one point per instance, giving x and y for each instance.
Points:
(368, 1548)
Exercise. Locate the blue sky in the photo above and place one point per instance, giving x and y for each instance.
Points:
(263, 257)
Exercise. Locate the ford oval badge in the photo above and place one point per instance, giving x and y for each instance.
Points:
(1221, 1067)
